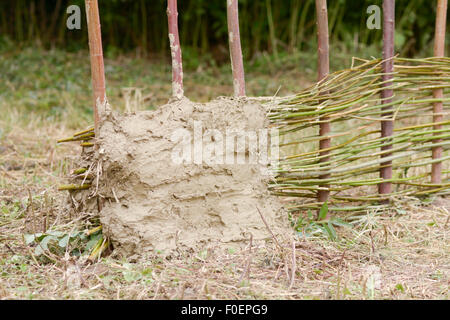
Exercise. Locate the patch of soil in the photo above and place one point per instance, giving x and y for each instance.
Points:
(154, 203)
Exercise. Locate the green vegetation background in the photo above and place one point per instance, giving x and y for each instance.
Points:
(266, 25)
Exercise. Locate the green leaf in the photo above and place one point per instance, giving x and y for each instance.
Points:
(146, 272)
(55, 233)
(315, 230)
(323, 211)
(341, 223)
(93, 241)
(80, 235)
(331, 230)
(291, 220)
(400, 287)
(427, 200)
(300, 223)
(318, 271)
(76, 252)
(44, 243)
(64, 241)
(29, 238)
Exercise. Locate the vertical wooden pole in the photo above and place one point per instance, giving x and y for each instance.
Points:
(96, 53)
(439, 51)
(323, 68)
(175, 50)
(234, 39)
(387, 126)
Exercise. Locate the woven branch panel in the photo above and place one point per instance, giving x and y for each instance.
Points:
(350, 101)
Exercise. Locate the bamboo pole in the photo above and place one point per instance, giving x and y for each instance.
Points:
(439, 51)
(175, 50)
(234, 39)
(323, 70)
(96, 54)
(387, 126)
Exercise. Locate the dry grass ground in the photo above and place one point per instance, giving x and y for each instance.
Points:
(400, 255)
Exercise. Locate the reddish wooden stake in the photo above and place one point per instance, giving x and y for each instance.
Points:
(323, 70)
(387, 126)
(96, 53)
(175, 50)
(234, 39)
(439, 51)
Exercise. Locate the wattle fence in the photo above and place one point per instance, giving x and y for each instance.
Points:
(357, 139)
(353, 107)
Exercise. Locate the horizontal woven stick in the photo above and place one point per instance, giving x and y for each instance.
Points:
(86, 136)
(353, 106)
(83, 132)
(74, 187)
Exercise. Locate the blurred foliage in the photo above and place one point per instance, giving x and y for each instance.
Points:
(141, 26)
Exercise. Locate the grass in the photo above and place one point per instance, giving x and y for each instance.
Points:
(44, 96)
